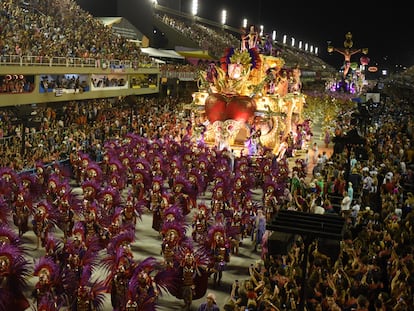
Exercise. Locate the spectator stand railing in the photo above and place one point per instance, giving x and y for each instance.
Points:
(88, 62)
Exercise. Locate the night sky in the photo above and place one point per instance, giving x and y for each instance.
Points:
(386, 30)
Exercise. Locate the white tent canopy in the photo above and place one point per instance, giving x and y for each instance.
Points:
(160, 53)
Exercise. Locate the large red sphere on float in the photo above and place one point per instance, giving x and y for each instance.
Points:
(219, 107)
(364, 60)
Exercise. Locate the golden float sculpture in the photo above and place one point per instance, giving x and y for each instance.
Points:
(247, 91)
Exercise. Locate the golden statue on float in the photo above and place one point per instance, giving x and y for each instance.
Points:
(250, 99)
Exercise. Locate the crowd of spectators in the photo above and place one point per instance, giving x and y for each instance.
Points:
(45, 29)
(374, 267)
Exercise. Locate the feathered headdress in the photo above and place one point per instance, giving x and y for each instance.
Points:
(220, 189)
(46, 265)
(46, 210)
(154, 280)
(203, 211)
(142, 175)
(84, 159)
(8, 181)
(90, 189)
(142, 163)
(28, 181)
(110, 195)
(94, 172)
(199, 255)
(174, 213)
(123, 239)
(9, 236)
(174, 226)
(182, 185)
(53, 183)
(216, 235)
(111, 263)
(92, 292)
(79, 231)
(115, 166)
(14, 272)
(52, 244)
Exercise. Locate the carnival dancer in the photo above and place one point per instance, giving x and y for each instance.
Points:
(127, 168)
(174, 170)
(90, 295)
(196, 186)
(22, 208)
(138, 186)
(200, 224)
(80, 167)
(219, 201)
(219, 251)
(93, 173)
(149, 279)
(28, 185)
(116, 226)
(252, 37)
(156, 161)
(117, 173)
(270, 203)
(9, 183)
(180, 194)
(282, 150)
(193, 274)
(156, 193)
(41, 176)
(120, 266)
(174, 234)
(205, 170)
(159, 213)
(93, 228)
(52, 190)
(124, 240)
(109, 199)
(301, 168)
(235, 231)
(43, 221)
(14, 273)
(75, 248)
(240, 191)
(53, 286)
(68, 207)
(248, 215)
(132, 210)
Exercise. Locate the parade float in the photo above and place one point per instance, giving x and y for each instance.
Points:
(247, 101)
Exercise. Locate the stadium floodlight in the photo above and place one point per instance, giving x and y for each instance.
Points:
(223, 17)
(244, 23)
(194, 7)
